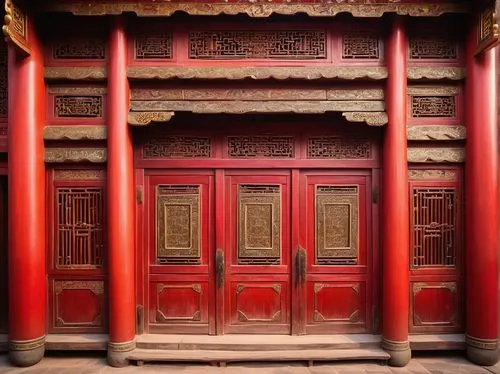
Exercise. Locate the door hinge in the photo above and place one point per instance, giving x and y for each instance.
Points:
(140, 320)
(139, 194)
(375, 194)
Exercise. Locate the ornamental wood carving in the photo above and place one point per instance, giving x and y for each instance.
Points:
(436, 73)
(75, 132)
(432, 174)
(436, 155)
(79, 175)
(75, 73)
(15, 27)
(370, 118)
(438, 133)
(58, 155)
(488, 35)
(259, 8)
(145, 118)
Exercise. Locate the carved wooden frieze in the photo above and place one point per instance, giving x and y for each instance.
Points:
(75, 132)
(75, 73)
(256, 73)
(436, 155)
(429, 132)
(432, 174)
(76, 91)
(79, 175)
(145, 118)
(15, 27)
(436, 73)
(58, 155)
(370, 118)
(260, 8)
(239, 107)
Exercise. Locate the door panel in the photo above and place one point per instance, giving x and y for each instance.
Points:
(335, 216)
(257, 290)
(180, 283)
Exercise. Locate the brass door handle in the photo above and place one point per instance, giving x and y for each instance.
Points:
(300, 266)
(219, 267)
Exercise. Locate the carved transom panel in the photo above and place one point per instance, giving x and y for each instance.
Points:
(331, 147)
(433, 227)
(259, 224)
(260, 147)
(360, 45)
(336, 224)
(433, 106)
(153, 46)
(178, 223)
(269, 44)
(80, 228)
(431, 48)
(78, 106)
(177, 147)
(79, 49)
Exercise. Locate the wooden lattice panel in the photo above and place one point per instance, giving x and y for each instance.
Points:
(178, 147)
(250, 44)
(336, 148)
(360, 44)
(80, 227)
(432, 48)
(433, 106)
(178, 224)
(78, 106)
(153, 46)
(434, 226)
(260, 147)
(79, 48)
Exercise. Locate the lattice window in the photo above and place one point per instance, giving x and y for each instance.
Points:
(433, 48)
(337, 225)
(178, 147)
(272, 44)
(79, 49)
(178, 223)
(80, 227)
(260, 147)
(153, 46)
(3, 79)
(360, 45)
(433, 106)
(78, 106)
(434, 226)
(259, 224)
(330, 147)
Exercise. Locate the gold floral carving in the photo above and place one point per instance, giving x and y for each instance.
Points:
(75, 73)
(79, 174)
(370, 118)
(433, 90)
(259, 8)
(97, 287)
(432, 174)
(430, 155)
(75, 132)
(436, 132)
(26, 345)
(239, 107)
(57, 155)
(436, 73)
(58, 90)
(145, 118)
(15, 28)
(486, 344)
(256, 73)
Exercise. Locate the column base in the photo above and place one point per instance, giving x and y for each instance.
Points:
(483, 352)
(118, 353)
(400, 352)
(26, 353)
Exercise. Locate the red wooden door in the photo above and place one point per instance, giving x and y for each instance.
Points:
(335, 232)
(256, 229)
(179, 271)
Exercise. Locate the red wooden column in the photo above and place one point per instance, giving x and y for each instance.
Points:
(120, 203)
(27, 281)
(481, 206)
(395, 219)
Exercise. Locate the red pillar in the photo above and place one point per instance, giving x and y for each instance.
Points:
(27, 281)
(395, 263)
(481, 206)
(120, 203)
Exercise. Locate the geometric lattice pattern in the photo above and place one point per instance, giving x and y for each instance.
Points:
(433, 49)
(360, 45)
(153, 46)
(433, 106)
(78, 106)
(331, 147)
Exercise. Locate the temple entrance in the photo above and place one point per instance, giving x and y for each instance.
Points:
(256, 249)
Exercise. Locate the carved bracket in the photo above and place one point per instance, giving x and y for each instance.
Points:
(370, 118)
(145, 118)
(15, 28)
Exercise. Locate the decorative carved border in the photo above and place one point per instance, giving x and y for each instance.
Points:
(436, 155)
(58, 155)
(15, 28)
(76, 174)
(76, 73)
(76, 132)
(436, 73)
(256, 73)
(433, 90)
(429, 132)
(486, 344)
(419, 286)
(370, 118)
(145, 118)
(26, 345)
(257, 8)
(432, 174)
(56, 90)
(97, 287)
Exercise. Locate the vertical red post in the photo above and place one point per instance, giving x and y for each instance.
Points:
(27, 281)
(481, 187)
(121, 244)
(395, 219)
